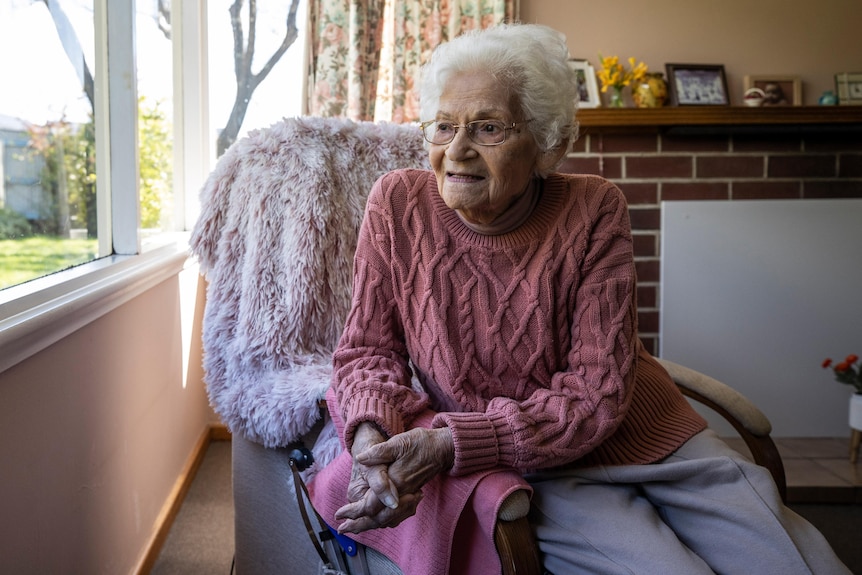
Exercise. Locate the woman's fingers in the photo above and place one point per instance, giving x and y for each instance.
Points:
(376, 476)
(368, 505)
(358, 486)
(387, 452)
(360, 516)
(411, 459)
(379, 482)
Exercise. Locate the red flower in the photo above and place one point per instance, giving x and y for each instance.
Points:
(847, 372)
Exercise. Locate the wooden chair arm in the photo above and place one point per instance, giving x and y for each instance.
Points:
(751, 424)
(513, 536)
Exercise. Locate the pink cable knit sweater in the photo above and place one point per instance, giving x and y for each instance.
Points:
(526, 343)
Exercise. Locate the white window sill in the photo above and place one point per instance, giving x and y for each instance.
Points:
(39, 313)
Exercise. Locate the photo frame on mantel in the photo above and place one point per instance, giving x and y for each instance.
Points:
(777, 90)
(588, 86)
(848, 86)
(697, 84)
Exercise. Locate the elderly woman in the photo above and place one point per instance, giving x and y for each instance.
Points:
(508, 292)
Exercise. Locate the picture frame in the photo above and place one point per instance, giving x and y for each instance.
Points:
(848, 86)
(588, 86)
(697, 85)
(778, 90)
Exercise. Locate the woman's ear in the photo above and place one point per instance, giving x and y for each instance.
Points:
(549, 159)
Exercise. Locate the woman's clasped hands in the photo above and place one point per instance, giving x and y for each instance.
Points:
(388, 474)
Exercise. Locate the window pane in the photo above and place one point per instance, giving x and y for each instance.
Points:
(155, 116)
(233, 111)
(47, 142)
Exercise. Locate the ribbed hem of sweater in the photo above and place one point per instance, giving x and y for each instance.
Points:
(376, 410)
(658, 422)
(470, 432)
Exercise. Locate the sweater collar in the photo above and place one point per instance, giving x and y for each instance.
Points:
(515, 216)
(545, 212)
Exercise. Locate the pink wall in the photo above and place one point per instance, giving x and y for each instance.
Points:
(94, 432)
(813, 40)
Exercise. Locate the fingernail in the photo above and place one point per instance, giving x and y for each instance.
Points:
(390, 501)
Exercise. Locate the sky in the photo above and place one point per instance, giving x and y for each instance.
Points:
(32, 62)
(45, 85)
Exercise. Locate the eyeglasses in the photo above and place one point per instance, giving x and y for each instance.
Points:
(482, 132)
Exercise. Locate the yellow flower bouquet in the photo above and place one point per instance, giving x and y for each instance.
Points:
(614, 74)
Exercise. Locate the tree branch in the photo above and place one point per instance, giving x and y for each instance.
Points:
(238, 48)
(290, 36)
(246, 80)
(163, 18)
(72, 47)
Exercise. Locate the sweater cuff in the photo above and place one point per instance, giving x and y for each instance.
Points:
(481, 441)
(374, 409)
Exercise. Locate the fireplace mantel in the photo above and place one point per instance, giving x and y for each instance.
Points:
(727, 119)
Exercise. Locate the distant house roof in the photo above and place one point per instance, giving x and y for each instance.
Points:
(11, 124)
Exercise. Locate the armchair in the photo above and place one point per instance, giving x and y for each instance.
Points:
(280, 216)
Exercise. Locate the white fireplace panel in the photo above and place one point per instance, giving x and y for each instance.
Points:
(757, 294)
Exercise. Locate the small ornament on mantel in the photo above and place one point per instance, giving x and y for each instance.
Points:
(651, 92)
(754, 97)
(828, 98)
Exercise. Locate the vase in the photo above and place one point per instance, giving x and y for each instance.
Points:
(616, 97)
(642, 96)
(856, 411)
(855, 425)
(651, 92)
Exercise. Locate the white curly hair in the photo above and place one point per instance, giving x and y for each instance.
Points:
(530, 60)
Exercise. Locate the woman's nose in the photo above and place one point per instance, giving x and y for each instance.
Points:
(461, 146)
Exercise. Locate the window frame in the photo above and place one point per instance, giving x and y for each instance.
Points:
(36, 314)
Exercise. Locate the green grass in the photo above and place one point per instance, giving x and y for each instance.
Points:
(30, 258)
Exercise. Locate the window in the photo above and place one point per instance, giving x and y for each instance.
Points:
(155, 74)
(67, 190)
(42, 63)
(47, 190)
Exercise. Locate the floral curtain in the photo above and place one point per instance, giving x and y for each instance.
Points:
(366, 54)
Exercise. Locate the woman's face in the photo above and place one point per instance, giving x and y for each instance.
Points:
(481, 182)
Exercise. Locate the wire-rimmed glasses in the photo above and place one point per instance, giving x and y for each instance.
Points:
(482, 132)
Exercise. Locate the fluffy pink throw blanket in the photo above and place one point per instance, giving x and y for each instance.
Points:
(279, 219)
